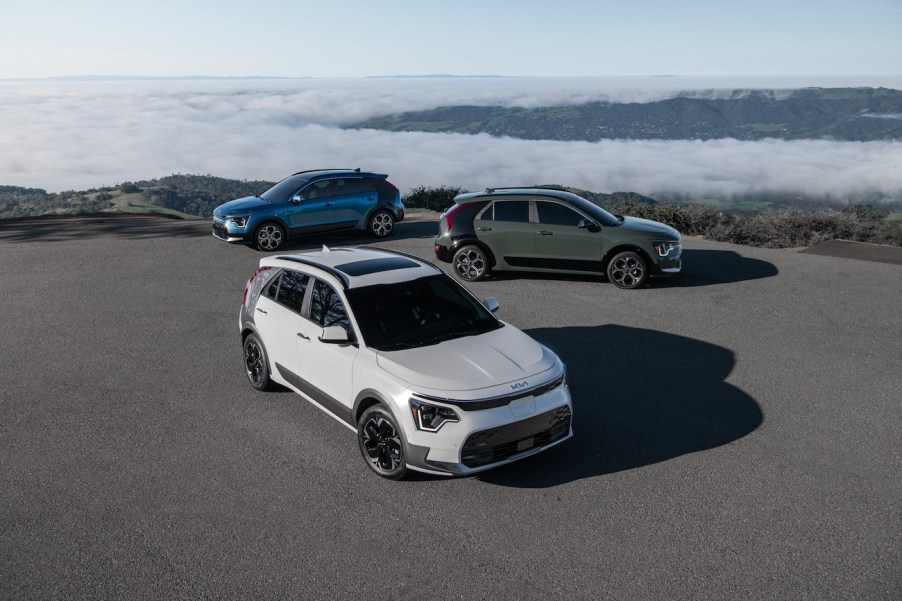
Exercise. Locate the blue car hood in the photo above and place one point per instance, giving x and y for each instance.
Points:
(649, 226)
(248, 204)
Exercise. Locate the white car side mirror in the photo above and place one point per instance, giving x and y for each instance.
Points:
(334, 335)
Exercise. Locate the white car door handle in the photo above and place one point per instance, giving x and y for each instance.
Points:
(307, 338)
(262, 311)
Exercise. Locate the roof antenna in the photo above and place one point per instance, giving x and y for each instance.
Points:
(326, 250)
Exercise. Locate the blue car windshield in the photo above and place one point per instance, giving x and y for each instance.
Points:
(416, 313)
(284, 190)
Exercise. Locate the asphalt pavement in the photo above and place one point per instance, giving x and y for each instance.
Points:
(738, 435)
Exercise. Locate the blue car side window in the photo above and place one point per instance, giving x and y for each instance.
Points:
(320, 189)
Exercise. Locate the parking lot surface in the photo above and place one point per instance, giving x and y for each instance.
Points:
(738, 435)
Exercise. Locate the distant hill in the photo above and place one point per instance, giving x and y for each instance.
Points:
(185, 196)
(852, 114)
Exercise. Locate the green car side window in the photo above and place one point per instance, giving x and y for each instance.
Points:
(553, 213)
(512, 210)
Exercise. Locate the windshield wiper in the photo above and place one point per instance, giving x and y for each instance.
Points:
(397, 346)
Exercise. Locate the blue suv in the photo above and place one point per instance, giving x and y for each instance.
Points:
(311, 202)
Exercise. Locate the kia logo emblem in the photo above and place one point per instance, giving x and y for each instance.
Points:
(523, 384)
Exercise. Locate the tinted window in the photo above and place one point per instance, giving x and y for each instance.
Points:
(417, 313)
(596, 212)
(292, 289)
(320, 189)
(350, 186)
(552, 213)
(512, 210)
(326, 308)
(284, 190)
(273, 289)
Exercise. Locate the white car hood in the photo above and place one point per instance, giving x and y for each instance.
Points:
(470, 363)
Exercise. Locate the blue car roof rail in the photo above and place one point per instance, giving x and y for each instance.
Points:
(356, 170)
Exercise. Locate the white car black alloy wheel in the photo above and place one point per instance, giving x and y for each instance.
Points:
(380, 443)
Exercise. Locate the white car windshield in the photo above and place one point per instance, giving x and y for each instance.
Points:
(418, 313)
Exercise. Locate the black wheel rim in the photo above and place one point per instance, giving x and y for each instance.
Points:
(470, 264)
(253, 362)
(627, 271)
(382, 444)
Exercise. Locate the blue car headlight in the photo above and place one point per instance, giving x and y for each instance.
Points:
(430, 417)
(239, 221)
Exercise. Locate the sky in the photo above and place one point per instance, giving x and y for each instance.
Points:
(340, 58)
(358, 38)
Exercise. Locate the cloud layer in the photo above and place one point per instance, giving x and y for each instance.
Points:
(76, 135)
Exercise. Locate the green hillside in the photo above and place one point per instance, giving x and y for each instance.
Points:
(183, 196)
(852, 114)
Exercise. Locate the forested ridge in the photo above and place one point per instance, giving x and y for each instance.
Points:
(850, 114)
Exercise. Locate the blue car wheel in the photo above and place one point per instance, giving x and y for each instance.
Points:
(269, 236)
(381, 224)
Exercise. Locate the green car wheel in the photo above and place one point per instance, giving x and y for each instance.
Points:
(627, 270)
(470, 263)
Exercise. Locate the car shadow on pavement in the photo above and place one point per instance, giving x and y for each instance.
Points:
(710, 267)
(404, 230)
(56, 228)
(639, 397)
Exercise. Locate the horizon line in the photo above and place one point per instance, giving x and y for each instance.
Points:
(102, 77)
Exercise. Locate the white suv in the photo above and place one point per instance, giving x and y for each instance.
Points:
(402, 354)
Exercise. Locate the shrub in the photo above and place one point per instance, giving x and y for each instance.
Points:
(789, 228)
(689, 219)
(432, 198)
(795, 228)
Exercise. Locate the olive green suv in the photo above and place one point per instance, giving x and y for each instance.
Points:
(552, 230)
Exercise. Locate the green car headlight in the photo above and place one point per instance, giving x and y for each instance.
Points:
(429, 417)
(664, 248)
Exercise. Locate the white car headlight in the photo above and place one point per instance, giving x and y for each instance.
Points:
(431, 417)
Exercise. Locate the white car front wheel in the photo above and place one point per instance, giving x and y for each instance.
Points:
(380, 443)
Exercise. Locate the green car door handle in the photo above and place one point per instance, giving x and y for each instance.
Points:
(545, 233)
(484, 229)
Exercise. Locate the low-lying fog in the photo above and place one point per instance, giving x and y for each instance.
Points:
(62, 135)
